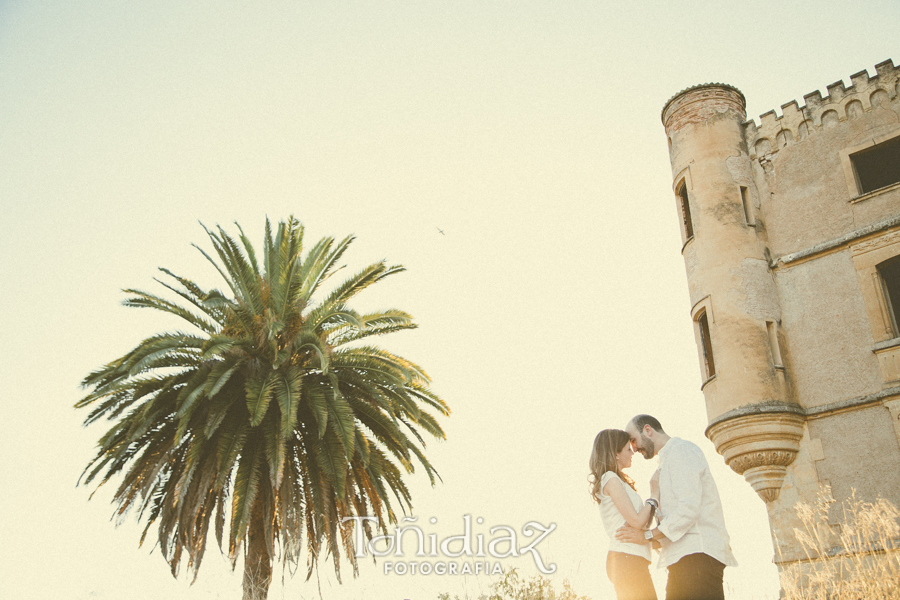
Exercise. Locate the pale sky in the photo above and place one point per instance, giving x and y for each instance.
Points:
(553, 306)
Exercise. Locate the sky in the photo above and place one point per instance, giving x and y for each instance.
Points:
(509, 154)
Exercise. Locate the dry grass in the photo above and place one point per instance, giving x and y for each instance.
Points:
(513, 587)
(859, 560)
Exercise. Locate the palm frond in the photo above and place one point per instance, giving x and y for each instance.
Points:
(259, 394)
(239, 269)
(317, 403)
(246, 487)
(145, 300)
(340, 417)
(274, 447)
(228, 280)
(288, 391)
(373, 324)
(193, 294)
(231, 439)
(251, 253)
(320, 262)
(219, 375)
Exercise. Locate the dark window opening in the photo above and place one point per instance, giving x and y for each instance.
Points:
(748, 209)
(705, 341)
(877, 167)
(685, 211)
(890, 279)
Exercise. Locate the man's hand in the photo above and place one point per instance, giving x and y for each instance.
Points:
(630, 535)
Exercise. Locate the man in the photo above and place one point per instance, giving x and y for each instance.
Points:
(691, 529)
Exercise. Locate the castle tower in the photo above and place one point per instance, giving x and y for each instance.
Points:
(791, 244)
(734, 301)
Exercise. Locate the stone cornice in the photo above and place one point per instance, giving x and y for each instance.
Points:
(763, 408)
(859, 401)
(837, 242)
(773, 407)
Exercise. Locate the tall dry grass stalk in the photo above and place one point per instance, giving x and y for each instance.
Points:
(857, 560)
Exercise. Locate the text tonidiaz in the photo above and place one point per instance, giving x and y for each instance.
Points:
(504, 545)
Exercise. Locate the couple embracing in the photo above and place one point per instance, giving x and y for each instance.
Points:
(690, 531)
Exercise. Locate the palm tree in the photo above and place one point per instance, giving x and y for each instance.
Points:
(273, 417)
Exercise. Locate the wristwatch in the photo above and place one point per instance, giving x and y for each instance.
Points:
(648, 535)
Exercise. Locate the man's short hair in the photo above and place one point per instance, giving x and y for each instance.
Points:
(641, 420)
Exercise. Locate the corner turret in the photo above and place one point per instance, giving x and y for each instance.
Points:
(734, 302)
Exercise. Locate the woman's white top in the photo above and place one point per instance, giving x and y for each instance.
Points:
(613, 519)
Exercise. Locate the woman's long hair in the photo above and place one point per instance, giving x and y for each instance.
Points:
(607, 444)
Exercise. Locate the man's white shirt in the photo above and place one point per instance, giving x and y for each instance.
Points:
(690, 508)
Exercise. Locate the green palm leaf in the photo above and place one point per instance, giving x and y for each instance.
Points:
(246, 486)
(340, 417)
(318, 404)
(219, 376)
(145, 300)
(288, 391)
(259, 395)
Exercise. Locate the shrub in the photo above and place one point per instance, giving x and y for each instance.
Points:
(513, 587)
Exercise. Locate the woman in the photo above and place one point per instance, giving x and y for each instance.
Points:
(626, 564)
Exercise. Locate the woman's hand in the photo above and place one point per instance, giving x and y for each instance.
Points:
(654, 486)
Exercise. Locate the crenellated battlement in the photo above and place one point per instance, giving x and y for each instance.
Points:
(797, 123)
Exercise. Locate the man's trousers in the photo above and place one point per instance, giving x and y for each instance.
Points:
(696, 577)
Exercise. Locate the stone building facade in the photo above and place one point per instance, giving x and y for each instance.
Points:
(791, 243)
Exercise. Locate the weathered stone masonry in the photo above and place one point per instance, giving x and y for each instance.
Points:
(790, 274)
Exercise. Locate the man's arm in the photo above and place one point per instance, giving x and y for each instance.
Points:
(682, 491)
(633, 535)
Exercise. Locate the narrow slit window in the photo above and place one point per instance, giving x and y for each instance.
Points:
(772, 330)
(878, 166)
(685, 211)
(889, 271)
(708, 363)
(745, 203)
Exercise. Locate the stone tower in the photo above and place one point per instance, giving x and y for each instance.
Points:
(791, 243)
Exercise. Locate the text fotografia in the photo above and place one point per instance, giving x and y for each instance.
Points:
(503, 543)
(444, 568)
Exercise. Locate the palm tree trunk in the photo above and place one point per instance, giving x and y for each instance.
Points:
(257, 562)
